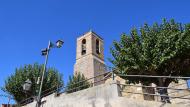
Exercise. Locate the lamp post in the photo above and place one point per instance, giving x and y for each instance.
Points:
(45, 52)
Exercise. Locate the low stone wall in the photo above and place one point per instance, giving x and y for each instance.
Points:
(182, 84)
(105, 95)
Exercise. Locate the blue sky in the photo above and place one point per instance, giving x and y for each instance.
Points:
(27, 25)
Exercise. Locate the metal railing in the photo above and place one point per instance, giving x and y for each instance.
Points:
(164, 97)
(160, 88)
(64, 89)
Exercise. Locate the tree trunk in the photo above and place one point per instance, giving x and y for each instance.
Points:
(163, 91)
(148, 90)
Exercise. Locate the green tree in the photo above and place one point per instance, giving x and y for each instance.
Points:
(160, 50)
(13, 84)
(76, 83)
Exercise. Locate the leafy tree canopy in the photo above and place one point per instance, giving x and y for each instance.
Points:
(160, 50)
(76, 83)
(14, 83)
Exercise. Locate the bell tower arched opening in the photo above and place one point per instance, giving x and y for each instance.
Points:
(83, 52)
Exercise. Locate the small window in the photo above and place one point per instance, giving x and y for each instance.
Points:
(97, 46)
(83, 47)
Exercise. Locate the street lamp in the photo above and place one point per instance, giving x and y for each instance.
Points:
(45, 52)
(27, 85)
(59, 43)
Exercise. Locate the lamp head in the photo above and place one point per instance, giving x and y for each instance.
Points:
(27, 85)
(44, 51)
(59, 43)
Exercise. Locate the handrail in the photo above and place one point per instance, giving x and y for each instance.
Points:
(113, 72)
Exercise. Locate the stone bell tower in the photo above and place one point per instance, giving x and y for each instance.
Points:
(90, 56)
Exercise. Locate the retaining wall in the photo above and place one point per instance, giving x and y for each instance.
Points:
(105, 95)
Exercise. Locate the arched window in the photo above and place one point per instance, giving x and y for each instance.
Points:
(83, 46)
(97, 46)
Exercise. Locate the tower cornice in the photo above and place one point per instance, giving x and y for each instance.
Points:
(90, 33)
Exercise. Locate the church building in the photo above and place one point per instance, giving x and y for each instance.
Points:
(90, 57)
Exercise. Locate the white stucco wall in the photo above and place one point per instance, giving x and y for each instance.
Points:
(105, 95)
